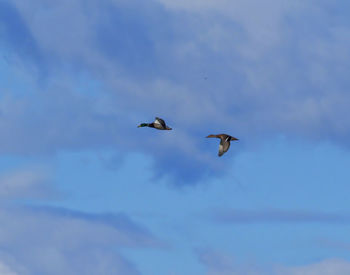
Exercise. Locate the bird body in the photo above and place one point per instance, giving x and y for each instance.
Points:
(224, 142)
(157, 124)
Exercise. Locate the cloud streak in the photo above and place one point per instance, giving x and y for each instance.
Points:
(239, 216)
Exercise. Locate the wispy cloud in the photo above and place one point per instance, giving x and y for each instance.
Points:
(17, 35)
(118, 221)
(325, 267)
(6, 270)
(223, 263)
(63, 241)
(266, 74)
(217, 262)
(27, 182)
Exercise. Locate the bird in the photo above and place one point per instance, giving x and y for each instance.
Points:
(157, 124)
(224, 142)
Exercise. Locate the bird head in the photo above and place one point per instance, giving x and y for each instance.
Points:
(142, 125)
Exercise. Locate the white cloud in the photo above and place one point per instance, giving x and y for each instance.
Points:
(58, 241)
(273, 67)
(257, 41)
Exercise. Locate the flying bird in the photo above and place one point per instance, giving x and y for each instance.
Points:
(158, 124)
(224, 142)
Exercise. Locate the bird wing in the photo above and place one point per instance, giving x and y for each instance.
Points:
(160, 122)
(223, 147)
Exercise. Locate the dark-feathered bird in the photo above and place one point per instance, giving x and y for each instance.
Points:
(224, 142)
(158, 124)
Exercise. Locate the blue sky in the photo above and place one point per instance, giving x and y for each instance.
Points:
(87, 192)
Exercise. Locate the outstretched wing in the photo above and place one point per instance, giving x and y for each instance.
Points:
(160, 121)
(223, 147)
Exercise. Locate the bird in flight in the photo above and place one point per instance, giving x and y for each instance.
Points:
(224, 142)
(158, 124)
